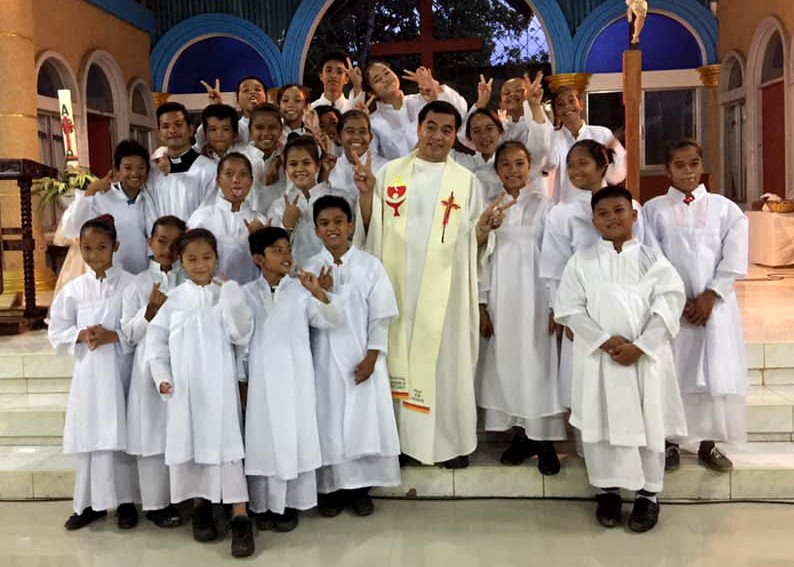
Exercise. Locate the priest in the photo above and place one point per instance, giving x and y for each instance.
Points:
(423, 216)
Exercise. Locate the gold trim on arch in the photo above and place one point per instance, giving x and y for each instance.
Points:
(18, 115)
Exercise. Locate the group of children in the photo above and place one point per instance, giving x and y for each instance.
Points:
(230, 343)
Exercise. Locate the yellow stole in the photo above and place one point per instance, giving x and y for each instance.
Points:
(412, 364)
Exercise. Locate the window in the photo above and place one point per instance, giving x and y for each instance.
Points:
(734, 118)
(50, 139)
(666, 115)
(773, 60)
(142, 117)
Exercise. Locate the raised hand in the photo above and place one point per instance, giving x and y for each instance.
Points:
(214, 93)
(164, 164)
(362, 173)
(327, 162)
(156, 300)
(534, 89)
(311, 283)
(311, 121)
(273, 170)
(292, 212)
(256, 225)
(99, 185)
(484, 91)
(325, 278)
(423, 78)
(492, 217)
(356, 79)
(365, 106)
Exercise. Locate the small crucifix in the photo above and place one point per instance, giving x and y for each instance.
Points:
(449, 206)
(67, 127)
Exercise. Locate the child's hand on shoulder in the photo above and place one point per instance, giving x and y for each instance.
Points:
(626, 354)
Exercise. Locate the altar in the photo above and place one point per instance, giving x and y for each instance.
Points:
(771, 238)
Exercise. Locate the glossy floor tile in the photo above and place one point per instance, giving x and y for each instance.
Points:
(438, 534)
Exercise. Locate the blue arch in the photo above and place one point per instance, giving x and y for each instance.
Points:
(548, 11)
(693, 13)
(188, 30)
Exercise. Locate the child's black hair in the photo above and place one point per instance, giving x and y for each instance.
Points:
(264, 238)
(169, 220)
(602, 155)
(366, 85)
(221, 112)
(684, 143)
(250, 78)
(350, 115)
(305, 142)
(193, 235)
(611, 192)
(326, 109)
(235, 155)
(172, 106)
(285, 88)
(331, 202)
(440, 107)
(264, 108)
(102, 223)
(510, 144)
(127, 148)
(485, 112)
(336, 55)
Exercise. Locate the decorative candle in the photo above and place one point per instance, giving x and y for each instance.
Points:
(67, 125)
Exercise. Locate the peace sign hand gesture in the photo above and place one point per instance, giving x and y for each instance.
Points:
(356, 79)
(362, 173)
(325, 279)
(99, 185)
(484, 90)
(256, 225)
(492, 217)
(292, 212)
(534, 89)
(214, 93)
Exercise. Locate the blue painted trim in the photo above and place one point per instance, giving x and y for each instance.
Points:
(559, 34)
(299, 28)
(130, 12)
(697, 16)
(186, 31)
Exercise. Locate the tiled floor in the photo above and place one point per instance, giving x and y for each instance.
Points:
(487, 533)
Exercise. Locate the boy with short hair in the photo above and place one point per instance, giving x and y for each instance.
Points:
(264, 151)
(190, 177)
(335, 72)
(358, 432)
(623, 302)
(219, 121)
(145, 408)
(251, 91)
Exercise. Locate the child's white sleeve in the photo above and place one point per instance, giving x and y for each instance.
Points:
(158, 353)
(235, 313)
(616, 172)
(733, 262)
(554, 253)
(570, 310)
(62, 331)
(324, 315)
(133, 320)
(81, 210)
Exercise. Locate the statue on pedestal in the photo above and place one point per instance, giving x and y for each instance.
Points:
(636, 13)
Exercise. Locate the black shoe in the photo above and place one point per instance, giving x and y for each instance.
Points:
(548, 461)
(81, 520)
(242, 536)
(712, 458)
(406, 460)
(672, 458)
(168, 517)
(330, 505)
(520, 449)
(126, 516)
(361, 502)
(265, 521)
(287, 521)
(203, 522)
(461, 462)
(608, 509)
(644, 515)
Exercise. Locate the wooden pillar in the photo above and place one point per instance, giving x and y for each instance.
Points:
(710, 77)
(632, 99)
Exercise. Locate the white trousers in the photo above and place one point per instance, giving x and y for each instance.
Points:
(359, 473)
(715, 418)
(632, 468)
(155, 482)
(103, 480)
(550, 428)
(275, 494)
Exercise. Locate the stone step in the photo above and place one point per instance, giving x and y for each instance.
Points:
(761, 471)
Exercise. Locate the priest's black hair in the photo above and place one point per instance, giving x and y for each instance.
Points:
(611, 192)
(172, 106)
(264, 238)
(331, 202)
(440, 107)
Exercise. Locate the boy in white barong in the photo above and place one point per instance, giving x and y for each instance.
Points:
(705, 237)
(358, 431)
(230, 218)
(145, 407)
(190, 348)
(623, 302)
(281, 438)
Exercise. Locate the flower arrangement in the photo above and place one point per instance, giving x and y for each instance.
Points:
(52, 189)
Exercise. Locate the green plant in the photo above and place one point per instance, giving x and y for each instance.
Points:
(50, 188)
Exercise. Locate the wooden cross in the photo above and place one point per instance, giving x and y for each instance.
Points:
(426, 46)
(449, 206)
